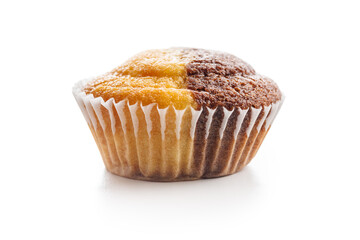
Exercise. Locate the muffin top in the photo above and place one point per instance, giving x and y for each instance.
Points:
(186, 76)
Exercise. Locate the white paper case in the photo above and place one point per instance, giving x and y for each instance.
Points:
(145, 142)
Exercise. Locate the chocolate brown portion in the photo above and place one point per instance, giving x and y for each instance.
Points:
(225, 147)
(200, 141)
(213, 141)
(221, 79)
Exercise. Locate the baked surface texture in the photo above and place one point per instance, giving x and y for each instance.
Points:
(186, 76)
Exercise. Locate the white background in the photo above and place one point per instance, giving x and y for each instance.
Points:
(303, 184)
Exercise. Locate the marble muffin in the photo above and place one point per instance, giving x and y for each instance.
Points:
(179, 114)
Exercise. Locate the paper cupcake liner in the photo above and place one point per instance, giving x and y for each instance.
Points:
(148, 143)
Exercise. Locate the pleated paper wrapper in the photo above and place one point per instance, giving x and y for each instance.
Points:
(148, 143)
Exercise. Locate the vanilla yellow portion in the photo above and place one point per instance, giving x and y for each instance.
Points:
(154, 76)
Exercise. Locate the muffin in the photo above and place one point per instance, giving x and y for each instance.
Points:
(179, 114)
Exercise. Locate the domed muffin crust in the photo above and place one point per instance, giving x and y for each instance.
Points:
(186, 76)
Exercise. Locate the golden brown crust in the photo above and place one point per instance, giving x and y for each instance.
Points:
(153, 76)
